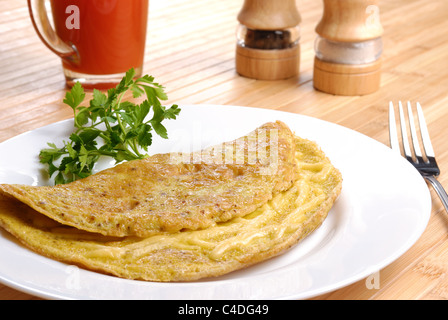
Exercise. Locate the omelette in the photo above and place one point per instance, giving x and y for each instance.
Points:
(186, 255)
(173, 191)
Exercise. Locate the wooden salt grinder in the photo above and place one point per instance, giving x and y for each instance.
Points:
(268, 40)
(352, 23)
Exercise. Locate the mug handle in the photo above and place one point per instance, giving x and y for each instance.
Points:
(42, 25)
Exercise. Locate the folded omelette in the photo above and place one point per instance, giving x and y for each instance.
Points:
(170, 192)
(241, 212)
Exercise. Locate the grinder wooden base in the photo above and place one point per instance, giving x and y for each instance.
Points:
(346, 79)
(268, 64)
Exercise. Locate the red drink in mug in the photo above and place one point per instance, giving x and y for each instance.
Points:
(98, 40)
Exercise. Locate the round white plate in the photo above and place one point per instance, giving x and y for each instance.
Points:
(383, 209)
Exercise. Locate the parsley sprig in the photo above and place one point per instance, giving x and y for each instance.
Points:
(109, 126)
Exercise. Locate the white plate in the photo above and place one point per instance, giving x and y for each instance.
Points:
(383, 209)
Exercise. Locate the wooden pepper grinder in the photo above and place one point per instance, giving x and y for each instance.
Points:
(348, 48)
(268, 39)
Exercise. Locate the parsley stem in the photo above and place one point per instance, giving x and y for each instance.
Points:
(106, 123)
(106, 138)
(135, 149)
(123, 130)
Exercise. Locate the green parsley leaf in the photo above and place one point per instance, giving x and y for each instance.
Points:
(109, 127)
(75, 96)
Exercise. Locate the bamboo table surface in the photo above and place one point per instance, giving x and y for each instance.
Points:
(191, 49)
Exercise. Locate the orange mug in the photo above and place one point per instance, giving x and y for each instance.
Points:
(97, 40)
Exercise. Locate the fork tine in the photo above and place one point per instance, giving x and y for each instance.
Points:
(404, 133)
(424, 132)
(415, 143)
(394, 144)
(429, 170)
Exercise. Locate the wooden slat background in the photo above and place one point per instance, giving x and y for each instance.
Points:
(190, 50)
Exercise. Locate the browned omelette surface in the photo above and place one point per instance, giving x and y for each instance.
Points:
(187, 255)
(171, 192)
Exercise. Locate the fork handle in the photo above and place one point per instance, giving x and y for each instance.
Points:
(439, 189)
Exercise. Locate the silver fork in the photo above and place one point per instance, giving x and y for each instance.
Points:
(427, 166)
